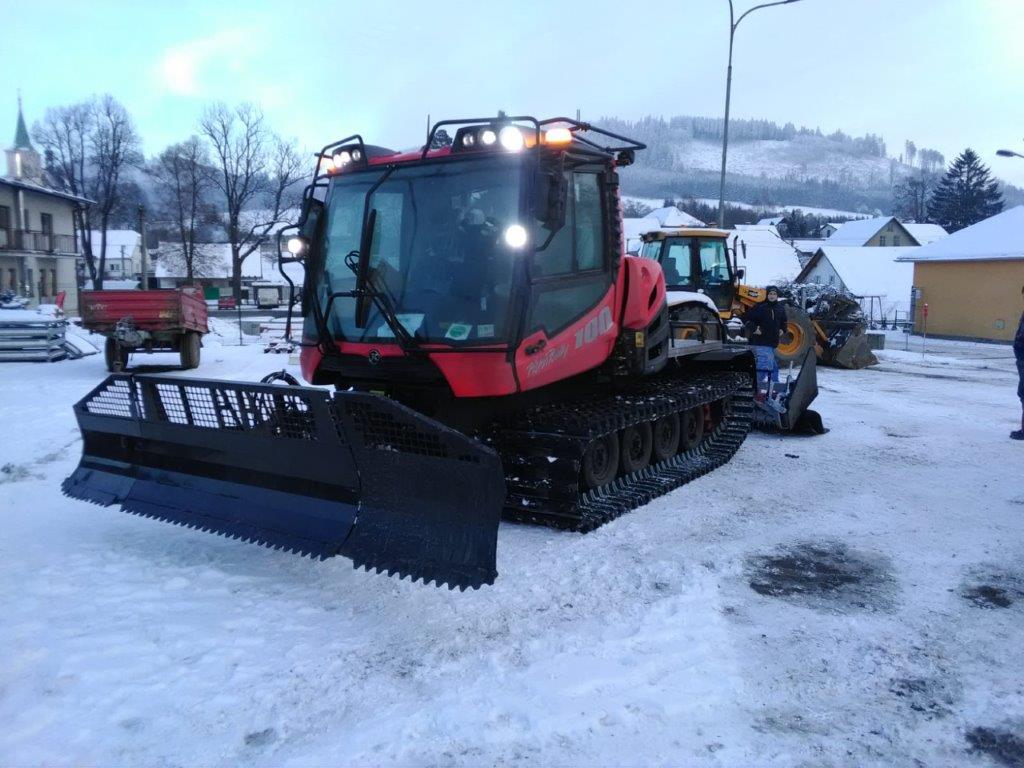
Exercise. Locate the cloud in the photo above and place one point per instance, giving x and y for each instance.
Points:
(186, 69)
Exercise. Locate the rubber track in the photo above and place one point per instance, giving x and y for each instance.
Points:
(543, 449)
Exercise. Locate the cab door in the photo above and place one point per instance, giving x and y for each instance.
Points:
(569, 324)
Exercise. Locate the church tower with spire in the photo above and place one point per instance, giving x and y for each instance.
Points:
(23, 162)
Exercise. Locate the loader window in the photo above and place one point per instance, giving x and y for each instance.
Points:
(676, 264)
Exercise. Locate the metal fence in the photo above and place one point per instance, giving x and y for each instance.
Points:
(32, 340)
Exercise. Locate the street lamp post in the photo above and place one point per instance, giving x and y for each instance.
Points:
(733, 24)
(1008, 153)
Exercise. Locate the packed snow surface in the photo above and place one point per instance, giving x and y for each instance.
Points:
(850, 599)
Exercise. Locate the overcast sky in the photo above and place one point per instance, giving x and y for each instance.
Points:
(945, 73)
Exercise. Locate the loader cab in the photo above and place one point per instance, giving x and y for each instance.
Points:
(694, 259)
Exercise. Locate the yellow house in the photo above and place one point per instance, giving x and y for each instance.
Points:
(972, 280)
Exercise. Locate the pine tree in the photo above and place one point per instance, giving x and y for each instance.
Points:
(966, 195)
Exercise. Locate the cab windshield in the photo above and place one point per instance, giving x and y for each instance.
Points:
(439, 254)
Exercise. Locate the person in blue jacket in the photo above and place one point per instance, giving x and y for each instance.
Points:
(1018, 352)
(766, 324)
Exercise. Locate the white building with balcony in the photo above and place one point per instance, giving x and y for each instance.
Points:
(37, 243)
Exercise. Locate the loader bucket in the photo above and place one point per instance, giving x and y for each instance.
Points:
(796, 417)
(295, 468)
(848, 348)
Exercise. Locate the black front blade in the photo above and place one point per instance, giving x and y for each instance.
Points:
(284, 466)
(431, 497)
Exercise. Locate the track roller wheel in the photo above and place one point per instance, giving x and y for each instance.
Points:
(692, 428)
(636, 447)
(601, 461)
(665, 442)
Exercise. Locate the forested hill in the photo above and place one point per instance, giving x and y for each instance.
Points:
(771, 164)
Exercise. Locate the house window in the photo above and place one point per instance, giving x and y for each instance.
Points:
(881, 240)
(25, 222)
(831, 279)
(889, 228)
(28, 282)
(895, 240)
(53, 282)
(12, 279)
(5, 217)
(46, 223)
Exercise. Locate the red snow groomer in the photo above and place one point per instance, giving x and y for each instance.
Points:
(492, 350)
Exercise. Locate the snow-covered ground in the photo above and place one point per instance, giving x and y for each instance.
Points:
(850, 599)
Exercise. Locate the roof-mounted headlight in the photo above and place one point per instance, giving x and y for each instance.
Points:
(511, 138)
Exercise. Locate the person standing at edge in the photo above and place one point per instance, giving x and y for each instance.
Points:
(1018, 352)
(766, 322)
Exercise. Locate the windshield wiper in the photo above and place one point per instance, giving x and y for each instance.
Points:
(365, 244)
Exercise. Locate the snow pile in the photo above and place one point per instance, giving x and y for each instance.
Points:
(869, 271)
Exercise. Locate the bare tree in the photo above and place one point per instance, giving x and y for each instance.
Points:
(113, 147)
(256, 173)
(64, 134)
(183, 176)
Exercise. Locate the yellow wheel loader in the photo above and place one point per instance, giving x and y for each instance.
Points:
(697, 259)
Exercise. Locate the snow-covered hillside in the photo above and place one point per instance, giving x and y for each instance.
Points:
(849, 599)
(798, 159)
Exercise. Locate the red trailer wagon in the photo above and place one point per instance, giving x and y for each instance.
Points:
(150, 321)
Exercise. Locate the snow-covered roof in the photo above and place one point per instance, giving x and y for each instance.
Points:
(773, 221)
(808, 244)
(860, 231)
(770, 259)
(997, 237)
(670, 217)
(925, 233)
(870, 271)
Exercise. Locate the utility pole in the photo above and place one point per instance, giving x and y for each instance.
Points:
(142, 247)
(733, 24)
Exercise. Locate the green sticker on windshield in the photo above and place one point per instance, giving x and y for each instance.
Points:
(458, 331)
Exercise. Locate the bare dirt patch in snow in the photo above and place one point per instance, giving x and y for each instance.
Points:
(932, 697)
(992, 587)
(12, 473)
(824, 575)
(1003, 746)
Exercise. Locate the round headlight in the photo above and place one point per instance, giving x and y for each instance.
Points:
(488, 137)
(341, 158)
(515, 236)
(468, 140)
(296, 245)
(357, 155)
(511, 138)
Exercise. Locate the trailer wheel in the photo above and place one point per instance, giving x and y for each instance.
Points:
(636, 448)
(601, 461)
(798, 338)
(666, 438)
(115, 355)
(190, 345)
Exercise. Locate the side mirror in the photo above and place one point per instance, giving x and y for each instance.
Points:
(309, 221)
(550, 193)
(741, 272)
